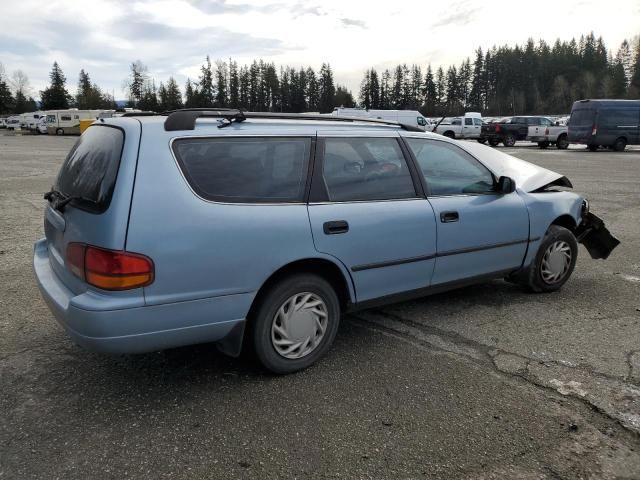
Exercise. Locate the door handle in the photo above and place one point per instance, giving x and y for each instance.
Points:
(449, 217)
(336, 226)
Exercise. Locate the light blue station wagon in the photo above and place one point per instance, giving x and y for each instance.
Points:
(260, 229)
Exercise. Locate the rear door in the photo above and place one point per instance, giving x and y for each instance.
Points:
(366, 210)
(469, 128)
(99, 170)
(535, 131)
(480, 232)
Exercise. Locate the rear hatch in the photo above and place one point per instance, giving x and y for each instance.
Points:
(581, 125)
(96, 179)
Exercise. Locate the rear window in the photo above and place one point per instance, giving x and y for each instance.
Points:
(582, 118)
(245, 170)
(90, 170)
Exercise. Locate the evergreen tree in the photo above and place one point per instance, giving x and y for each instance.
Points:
(343, 97)
(313, 91)
(173, 99)
(7, 102)
(135, 83)
(385, 90)
(88, 95)
(190, 95)
(221, 84)
(327, 90)
(634, 83)
(430, 94)
(149, 100)
(245, 88)
(234, 85)
(476, 97)
(365, 90)
(162, 98)
(206, 94)
(395, 97)
(55, 96)
(374, 89)
(441, 90)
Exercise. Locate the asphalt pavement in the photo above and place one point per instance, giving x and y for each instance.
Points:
(483, 382)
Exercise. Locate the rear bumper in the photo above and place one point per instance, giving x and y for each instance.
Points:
(99, 327)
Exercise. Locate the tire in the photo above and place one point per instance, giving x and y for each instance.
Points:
(482, 140)
(449, 134)
(543, 145)
(592, 148)
(494, 142)
(509, 140)
(620, 144)
(554, 261)
(270, 333)
(562, 143)
(59, 131)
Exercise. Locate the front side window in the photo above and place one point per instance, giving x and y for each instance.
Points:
(545, 122)
(449, 170)
(246, 170)
(421, 121)
(359, 169)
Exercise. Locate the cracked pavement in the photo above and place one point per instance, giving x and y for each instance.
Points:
(484, 382)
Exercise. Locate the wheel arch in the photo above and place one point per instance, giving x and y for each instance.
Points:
(450, 134)
(336, 275)
(566, 221)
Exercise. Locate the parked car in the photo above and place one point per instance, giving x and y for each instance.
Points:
(468, 126)
(41, 126)
(222, 226)
(3, 122)
(13, 122)
(406, 117)
(608, 123)
(541, 130)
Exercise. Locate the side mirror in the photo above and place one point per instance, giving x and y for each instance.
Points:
(557, 124)
(506, 185)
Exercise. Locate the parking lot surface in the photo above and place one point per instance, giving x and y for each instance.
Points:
(482, 382)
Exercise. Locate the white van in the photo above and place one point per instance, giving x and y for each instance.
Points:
(65, 122)
(406, 117)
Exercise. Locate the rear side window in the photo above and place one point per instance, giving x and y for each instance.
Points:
(468, 121)
(91, 168)
(245, 170)
(582, 118)
(359, 169)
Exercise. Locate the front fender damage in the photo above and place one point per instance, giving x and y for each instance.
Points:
(595, 237)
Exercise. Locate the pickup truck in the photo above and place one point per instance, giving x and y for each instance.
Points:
(541, 130)
(468, 126)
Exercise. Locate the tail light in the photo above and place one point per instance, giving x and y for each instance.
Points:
(109, 269)
(497, 128)
(594, 130)
(546, 132)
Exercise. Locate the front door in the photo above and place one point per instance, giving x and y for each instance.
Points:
(366, 211)
(480, 232)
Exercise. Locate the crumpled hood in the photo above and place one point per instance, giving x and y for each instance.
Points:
(528, 177)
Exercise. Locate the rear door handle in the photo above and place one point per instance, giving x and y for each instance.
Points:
(448, 217)
(336, 226)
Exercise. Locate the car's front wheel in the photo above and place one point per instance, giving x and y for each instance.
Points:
(554, 261)
(295, 323)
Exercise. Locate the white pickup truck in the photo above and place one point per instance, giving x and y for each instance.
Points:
(469, 126)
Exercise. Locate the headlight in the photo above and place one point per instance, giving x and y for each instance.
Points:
(585, 207)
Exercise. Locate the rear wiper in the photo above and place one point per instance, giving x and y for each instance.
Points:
(58, 200)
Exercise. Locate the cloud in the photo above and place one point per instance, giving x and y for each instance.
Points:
(350, 22)
(457, 19)
(220, 7)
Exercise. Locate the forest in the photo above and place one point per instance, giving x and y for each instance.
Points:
(536, 78)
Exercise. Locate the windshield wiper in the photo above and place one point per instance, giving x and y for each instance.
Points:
(59, 200)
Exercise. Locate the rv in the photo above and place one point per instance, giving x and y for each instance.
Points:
(66, 122)
(13, 122)
(30, 120)
(406, 117)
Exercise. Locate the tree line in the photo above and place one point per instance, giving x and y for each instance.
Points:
(530, 79)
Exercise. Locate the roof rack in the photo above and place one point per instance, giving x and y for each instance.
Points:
(138, 114)
(185, 119)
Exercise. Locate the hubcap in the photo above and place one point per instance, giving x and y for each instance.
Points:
(556, 262)
(299, 325)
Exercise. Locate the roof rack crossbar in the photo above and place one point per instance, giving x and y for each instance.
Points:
(186, 119)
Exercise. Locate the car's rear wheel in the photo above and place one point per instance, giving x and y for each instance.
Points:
(482, 140)
(449, 134)
(59, 131)
(620, 144)
(295, 323)
(562, 143)
(554, 261)
(494, 142)
(543, 145)
(509, 140)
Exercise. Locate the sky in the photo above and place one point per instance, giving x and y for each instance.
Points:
(172, 37)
